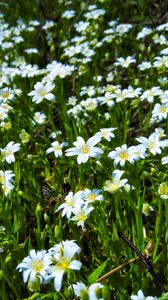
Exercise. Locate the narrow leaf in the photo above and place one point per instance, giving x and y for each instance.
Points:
(96, 273)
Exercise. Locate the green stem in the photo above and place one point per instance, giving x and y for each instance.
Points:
(158, 227)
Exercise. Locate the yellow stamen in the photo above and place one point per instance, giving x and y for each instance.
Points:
(5, 95)
(92, 197)
(42, 93)
(85, 149)
(163, 109)
(37, 265)
(123, 155)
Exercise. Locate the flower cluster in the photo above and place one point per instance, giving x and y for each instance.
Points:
(50, 265)
(78, 206)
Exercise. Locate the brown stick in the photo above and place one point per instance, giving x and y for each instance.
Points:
(117, 269)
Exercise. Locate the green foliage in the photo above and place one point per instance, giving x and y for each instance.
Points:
(96, 273)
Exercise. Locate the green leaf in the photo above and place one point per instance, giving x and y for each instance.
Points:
(96, 273)
(164, 297)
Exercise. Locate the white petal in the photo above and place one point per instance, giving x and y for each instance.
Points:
(49, 97)
(93, 140)
(82, 158)
(75, 265)
(26, 275)
(58, 279)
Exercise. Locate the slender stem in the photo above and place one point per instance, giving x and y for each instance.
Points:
(147, 264)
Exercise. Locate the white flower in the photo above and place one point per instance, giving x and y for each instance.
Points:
(160, 112)
(133, 93)
(81, 213)
(68, 14)
(35, 265)
(127, 187)
(84, 150)
(6, 177)
(159, 39)
(141, 296)
(153, 143)
(89, 90)
(42, 91)
(122, 154)
(3, 80)
(81, 26)
(119, 94)
(124, 62)
(57, 69)
(48, 25)
(7, 188)
(58, 248)
(106, 133)
(106, 99)
(139, 151)
(72, 101)
(94, 14)
(146, 209)
(143, 33)
(93, 289)
(70, 201)
(163, 190)
(164, 160)
(90, 104)
(164, 51)
(81, 289)
(161, 62)
(31, 50)
(145, 65)
(159, 131)
(8, 151)
(110, 77)
(123, 28)
(115, 184)
(6, 94)
(150, 94)
(56, 148)
(92, 195)
(62, 261)
(39, 117)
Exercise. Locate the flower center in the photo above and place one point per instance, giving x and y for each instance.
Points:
(5, 95)
(8, 152)
(42, 93)
(111, 186)
(104, 132)
(57, 147)
(114, 186)
(2, 178)
(85, 149)
(163, 189)
(82, 217)
(69, 201)
(92, 197)
(151, 94)
(152, 144)
(37, 265)
(163, 109)
(123, 155)
(63, 264)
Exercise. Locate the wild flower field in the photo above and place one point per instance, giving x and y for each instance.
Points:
(84, 159)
